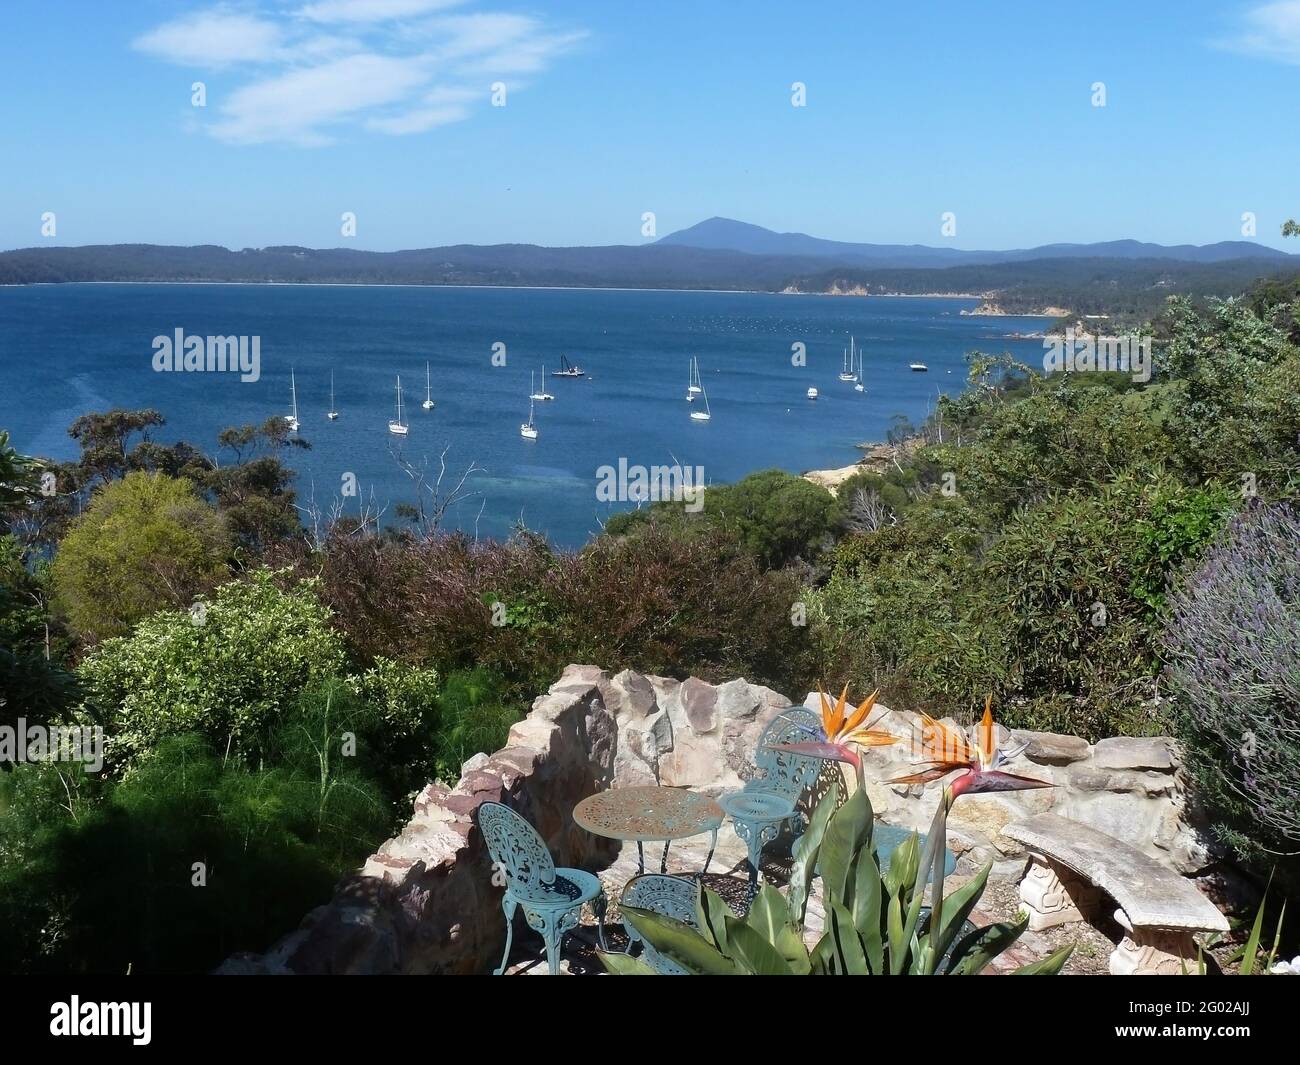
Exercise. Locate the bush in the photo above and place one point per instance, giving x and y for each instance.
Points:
(1233, 645)
(146, 542)
(229, 673)
(475, 714)
(117, 889)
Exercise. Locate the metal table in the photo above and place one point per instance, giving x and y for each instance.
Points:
(650, 813)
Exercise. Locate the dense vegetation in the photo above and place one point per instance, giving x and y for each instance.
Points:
(1086, 548)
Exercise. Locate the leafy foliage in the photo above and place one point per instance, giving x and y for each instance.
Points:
(1234, 673)
(147, 541)
(229, 672)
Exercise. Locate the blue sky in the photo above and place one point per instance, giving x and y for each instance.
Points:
(382, 108)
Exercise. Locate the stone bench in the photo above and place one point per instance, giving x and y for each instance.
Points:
(1072, 865)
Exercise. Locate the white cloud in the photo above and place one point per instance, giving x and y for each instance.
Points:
(295, 106)
(370, 10)
(330, 67)
(213, 38)
(1269, 31)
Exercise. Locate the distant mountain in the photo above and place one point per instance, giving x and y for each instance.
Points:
(726, 234)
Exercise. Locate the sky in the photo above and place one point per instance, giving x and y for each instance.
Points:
(384, 109)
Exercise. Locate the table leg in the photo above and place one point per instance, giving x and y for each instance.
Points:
(640, 856)
(663, 862)
(713, 845)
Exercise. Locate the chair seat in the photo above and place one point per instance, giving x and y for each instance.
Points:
(756, 806)
(572, 887)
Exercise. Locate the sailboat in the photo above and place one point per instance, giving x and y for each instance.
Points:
(812, 393)
(567, 369)
(542, 396)
(694, 388)
(702, 415)
(333, 414)
(859, 387)
(528, 430)
(398, 427)
(847, 373)
(292, 419)
(428, 390)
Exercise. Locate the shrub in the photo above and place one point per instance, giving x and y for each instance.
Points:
(1233, 644)
(117, 888)
(146, 542)
(475, 715)
(229, 673)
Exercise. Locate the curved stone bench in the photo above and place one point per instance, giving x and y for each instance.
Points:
(1072, 865)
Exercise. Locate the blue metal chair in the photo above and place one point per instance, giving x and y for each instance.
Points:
(672, 896)
(551, 898)
(770, 797)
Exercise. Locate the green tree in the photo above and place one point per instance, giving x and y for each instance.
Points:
(146, 542)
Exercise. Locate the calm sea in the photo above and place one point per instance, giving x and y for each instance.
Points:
(69, 349)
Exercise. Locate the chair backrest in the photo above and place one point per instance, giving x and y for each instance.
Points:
(779, 771)
(672, 896)
(518, 851)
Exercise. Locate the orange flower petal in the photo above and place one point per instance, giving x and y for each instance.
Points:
(860, 714)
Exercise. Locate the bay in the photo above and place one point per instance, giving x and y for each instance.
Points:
(69, 349)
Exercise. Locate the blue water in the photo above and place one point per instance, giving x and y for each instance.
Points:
(69, 349)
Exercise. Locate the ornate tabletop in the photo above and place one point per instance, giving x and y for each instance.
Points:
(648, 813)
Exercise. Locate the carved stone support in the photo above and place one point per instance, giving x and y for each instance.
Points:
(1055, 895)
(1153, 951)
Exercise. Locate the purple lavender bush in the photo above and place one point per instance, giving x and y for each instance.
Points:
(1233, 651)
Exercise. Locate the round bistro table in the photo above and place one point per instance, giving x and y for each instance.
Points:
(650, 814)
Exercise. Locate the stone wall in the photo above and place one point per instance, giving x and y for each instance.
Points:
(424, 902)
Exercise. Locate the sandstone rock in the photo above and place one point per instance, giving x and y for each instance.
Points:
(1089, 776)
(630, 695)
(700, 703)
(737, 699)
(1052, 748)
(477, 761)
(1129, 752)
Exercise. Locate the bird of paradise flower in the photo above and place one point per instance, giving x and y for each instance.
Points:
(946, 750)
(843, 730)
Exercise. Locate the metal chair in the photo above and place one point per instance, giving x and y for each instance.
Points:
(672, 896)
(551, 898)
(770, 797)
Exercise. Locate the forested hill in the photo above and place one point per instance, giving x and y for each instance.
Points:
(1115, 285)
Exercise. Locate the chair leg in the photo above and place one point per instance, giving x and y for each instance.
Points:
(713, 845)
(663, 862)
(508, 905)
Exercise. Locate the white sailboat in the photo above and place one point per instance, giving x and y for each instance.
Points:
(291, 420)
(702, 415)
(694, 388)
(543, 396)
(860, 386)
(812, 393)
(333, 414)
(428, 389)
(847, 373)
(398, 427)
(528, 430)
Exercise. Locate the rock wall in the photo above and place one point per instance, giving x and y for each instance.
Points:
(424, 902)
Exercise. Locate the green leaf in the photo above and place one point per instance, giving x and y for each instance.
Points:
(806, 851)
(902, 868)
(623, 964)
(711, 912)
(848, 946)
(867, 893)
(980, 947)
(849, 828)
(1047, 966)
(897, 938)
(770, 918)
(679, 942)
(956, 909)
(1277, 938)
(754, 954)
